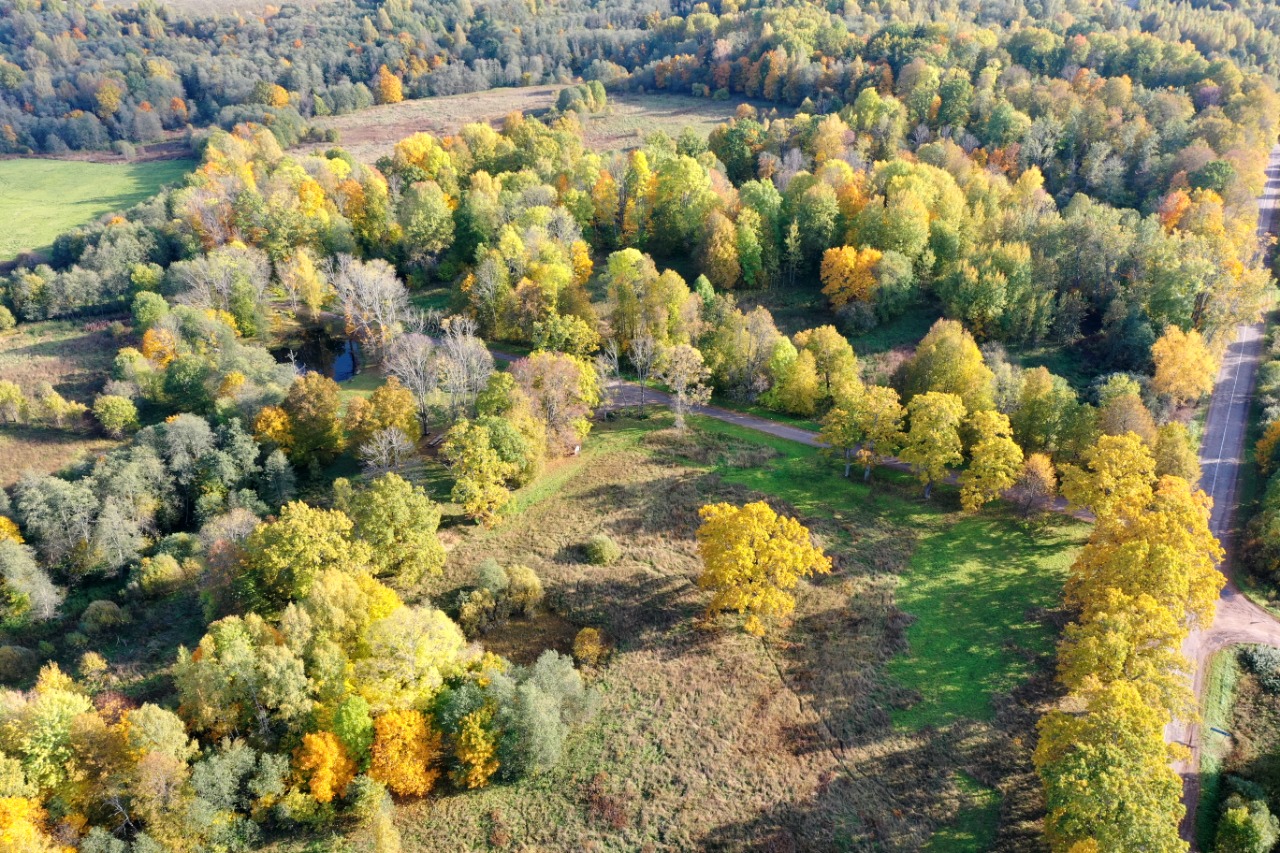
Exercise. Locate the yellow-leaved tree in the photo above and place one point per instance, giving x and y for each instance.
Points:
(476, 749)
(1107, 776)
(932, 443)
(849, 274)
(323, 761)
(405, 753)
(994, 462)
(752, 559)
(1185, 367)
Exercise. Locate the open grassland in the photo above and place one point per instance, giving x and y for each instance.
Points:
(75, 358)
(710, 739)
(372, 133)
(39, 199)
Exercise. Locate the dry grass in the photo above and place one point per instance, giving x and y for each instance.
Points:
(372, 133)
(74, 357)
(707, 738)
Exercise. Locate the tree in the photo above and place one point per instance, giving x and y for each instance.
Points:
(315, 433)
(390, 406)
(1107, 776)
(387, 87)
(386, 450)
(834, 360)
(1185, 368)
(13, 405)
(478, 470)
(795, 380)
(1175, 454)
(323, 761)
(752, 559)
(1117, 480)
(27, 590)
(642, 353)
(353, 724)
(406, 750)
(720, 261)
(282, 558)
(1037, 485)
(948, 360)
(476, 749)
(932, 443)
(995, 461)
(118, 415)
(681, 369)
(1246, 826)
(849, 274)
(563, 391)
(1126, 413)
(398, 522)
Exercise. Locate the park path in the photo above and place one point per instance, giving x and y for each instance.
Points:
(1222, 452)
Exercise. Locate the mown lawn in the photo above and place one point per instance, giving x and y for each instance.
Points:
(39, 199)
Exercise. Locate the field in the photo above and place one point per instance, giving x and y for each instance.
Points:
(853, 727)
(75, 358)
(39, 199)
(372, 133)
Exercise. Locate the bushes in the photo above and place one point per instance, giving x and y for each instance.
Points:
(1264, 663)
(16, 663)
(499, 594)
(601, 550)
(101, 616)
(588, 647)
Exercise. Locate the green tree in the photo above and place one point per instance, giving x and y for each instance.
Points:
(312, 405)
(995, 461)
(398, 522)
(948, 360)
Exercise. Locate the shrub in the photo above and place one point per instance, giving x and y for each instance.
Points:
(17, 662)
(92, 664)
(118, 415)
(588, 647)
(524, 591)
(476, 611)
(492, 577)
(1264, 663)
(601, 550)
(158, 576)
(102, 616)
(6, 319)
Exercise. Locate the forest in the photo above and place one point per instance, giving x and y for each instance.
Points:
(1084, 186)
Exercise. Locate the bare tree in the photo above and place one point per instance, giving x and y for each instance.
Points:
(373, 300)
(607, 368)
(644, 351)
(411, 358)
(681, 369)
(387, 450)
(464, 363)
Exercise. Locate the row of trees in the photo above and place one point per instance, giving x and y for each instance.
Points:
(1145, 579)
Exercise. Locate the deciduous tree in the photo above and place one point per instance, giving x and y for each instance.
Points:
(752, 559)
(1185, 367)
(932, 442)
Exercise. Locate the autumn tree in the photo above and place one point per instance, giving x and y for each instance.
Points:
(932, 442)
(478, 470)
(948, 360)
(681, 369)
(1185, 367)
(387, 87)
(323, 761)
(315, 432)
(390, 406)
(1107, 776)
(752, 559)
(476, 748)
(398, 521)
(849, 274)
(1037, 485)
(405, 753)
(562, 391)
(995, 461)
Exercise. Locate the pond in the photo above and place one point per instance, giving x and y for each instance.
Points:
(318, 349)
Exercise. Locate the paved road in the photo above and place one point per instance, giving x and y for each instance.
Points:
(1238, 620)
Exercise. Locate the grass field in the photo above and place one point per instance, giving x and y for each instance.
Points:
(39, 199)
(372, 133)
(709, 739)
(75, 358)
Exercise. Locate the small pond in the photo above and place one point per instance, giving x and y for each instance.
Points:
(318, 349)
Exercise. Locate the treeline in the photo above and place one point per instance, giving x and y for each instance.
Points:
(1145, 579)
(79, 75)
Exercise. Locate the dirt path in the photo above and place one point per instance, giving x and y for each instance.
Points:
(1238, 620)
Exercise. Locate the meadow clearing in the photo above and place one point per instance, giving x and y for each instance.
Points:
(373, 133)
(895, 711)
(40, 199)
(75, 358)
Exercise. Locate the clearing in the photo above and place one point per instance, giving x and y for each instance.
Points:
(40, 199)
(850, 728)
(75, 357)
(372, 133)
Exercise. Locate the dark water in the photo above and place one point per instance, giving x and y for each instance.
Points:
(318, 350)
